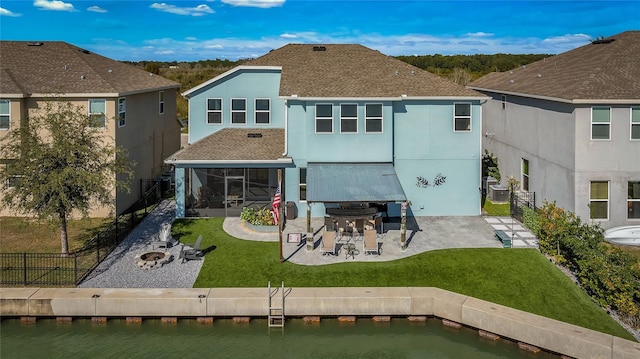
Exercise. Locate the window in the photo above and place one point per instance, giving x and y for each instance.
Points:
(161, 102)
(122, 108)
(303, 184)
(97, 113)
(13, 180)
(324, 118)
(373, 118)
(634, 200)
(635, 123)
(599, 200)
(503, 99)
(600, 122)
(238, 110)
(462, 117)
(5, 115)
(214, 111)
(263, 115)
(348, 118)
(525, 175)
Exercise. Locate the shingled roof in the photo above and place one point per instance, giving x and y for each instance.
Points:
(606, 69)
(53, 67)
(351, 71)
(235, 144)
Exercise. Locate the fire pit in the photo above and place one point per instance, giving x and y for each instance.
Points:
(154, 259)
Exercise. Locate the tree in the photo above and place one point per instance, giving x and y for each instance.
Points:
(58, 165)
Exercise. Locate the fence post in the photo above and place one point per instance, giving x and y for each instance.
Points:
(24, 268)
(75, 268)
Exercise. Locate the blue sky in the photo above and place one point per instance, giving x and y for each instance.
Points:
(179, 30)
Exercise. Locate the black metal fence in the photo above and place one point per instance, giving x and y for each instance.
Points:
(55, 269)
(518, 201)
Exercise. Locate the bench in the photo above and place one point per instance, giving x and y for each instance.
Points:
(504, 238)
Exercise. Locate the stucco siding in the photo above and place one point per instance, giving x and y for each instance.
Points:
(243, 84)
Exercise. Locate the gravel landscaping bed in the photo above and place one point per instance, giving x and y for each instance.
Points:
(120, 269)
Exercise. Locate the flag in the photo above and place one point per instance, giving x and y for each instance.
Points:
(276, 205)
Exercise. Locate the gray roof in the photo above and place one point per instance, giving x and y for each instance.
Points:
(606, 69)
(350, 71)
(53, 67)
(235, 144)
(353, 182)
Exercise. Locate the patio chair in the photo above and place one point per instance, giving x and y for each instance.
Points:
(329, 243)
(370, 242)
(188, 252)
(163, 240)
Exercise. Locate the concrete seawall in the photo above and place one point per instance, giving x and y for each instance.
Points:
(526, 328)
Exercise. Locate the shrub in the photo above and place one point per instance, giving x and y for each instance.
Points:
(257, 217)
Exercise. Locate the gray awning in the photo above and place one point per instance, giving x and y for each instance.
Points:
(353, 182)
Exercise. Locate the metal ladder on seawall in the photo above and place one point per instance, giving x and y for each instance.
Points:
(276, 313)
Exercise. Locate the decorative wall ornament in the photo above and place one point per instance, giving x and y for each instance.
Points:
(437, 181)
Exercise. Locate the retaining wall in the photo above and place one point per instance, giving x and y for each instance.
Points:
(527, 328)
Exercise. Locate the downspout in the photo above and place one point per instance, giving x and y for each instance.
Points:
(286, 128)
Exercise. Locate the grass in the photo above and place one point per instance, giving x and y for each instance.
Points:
(496, 209)
(522, 279)
(30, 235)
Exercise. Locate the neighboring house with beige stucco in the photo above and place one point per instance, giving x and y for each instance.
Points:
(137, 109)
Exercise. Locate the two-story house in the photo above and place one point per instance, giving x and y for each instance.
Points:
(136, 109)
(344, 123)
(568, 128)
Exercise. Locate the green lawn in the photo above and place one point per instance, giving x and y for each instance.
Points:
(518, 278)
(496, 209)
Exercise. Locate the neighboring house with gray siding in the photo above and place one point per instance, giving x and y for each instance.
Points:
(343, 123)
(568, 128)
(136, 109)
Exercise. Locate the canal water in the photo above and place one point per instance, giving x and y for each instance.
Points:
(226, 339)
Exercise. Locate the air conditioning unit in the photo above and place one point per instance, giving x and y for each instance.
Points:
(498, 193)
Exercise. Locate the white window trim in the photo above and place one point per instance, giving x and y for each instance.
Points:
(104, 114)
(630, 200)
(631, 123)
(211, 111)
(374, 118)
(161, 102)
(238, 111)
(523, 175)
(315, 123)
(122, 120)
(349, 118)
(462, 117)
(601, 200)
(256, 111)
(300, 185)
(600, 123)
(7, 114)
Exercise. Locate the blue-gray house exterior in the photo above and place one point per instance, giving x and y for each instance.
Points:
(302, 107)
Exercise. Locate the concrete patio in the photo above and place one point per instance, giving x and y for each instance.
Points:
(423, 234)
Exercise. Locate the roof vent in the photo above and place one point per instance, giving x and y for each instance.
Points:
(254, 135)
(319, 48)
(602, 41)
(84, 51)
(35, 43)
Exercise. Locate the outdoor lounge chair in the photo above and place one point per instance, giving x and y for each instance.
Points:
(188, 252)
(370, 242)
(164, 239)
(329, 244)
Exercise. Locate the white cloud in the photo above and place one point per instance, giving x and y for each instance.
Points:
(5, 12)
(54, 5)
(199, 10)
(289, 36)
(264, 4)
(96, 9)
(568, 38)
(480, 34)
